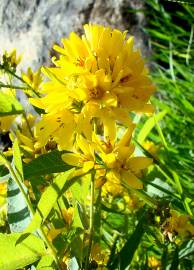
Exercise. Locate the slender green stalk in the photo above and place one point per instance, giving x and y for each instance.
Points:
(20, 79)
(160, 133)
(171, 62)
(28, 202)
(14, 74)
(91, 227)
(15, 177)
(13, 86)
(189, 45)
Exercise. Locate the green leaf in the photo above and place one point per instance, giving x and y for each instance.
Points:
(48, 199)
(46, 164)
(125, 256)
(175, 261)
(187, 249)
(159, 188)
(9, 105)
(17, 160)
(149, 125)
(17, 209)
(80, 190)
(82, 215)
(14, 256)
(164, 259)
(46, 263)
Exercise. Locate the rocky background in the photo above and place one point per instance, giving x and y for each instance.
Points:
(33, 26)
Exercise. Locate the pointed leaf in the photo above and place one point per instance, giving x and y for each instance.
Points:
(125, 256)
(46, 164)
(14, 256)
(175, 261)
(17, 209)
(17, 160)
(148, 126)
(9, 105)
(48, 199)
(46, 263)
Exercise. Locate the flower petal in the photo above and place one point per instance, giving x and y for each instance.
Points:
(136, 164)
(131, 179)
(71, 159)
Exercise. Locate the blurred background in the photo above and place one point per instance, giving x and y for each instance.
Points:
(33, 26)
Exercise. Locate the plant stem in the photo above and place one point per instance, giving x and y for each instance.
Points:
(20, 79)
(91, 227)
(28, 202)
(13, 86)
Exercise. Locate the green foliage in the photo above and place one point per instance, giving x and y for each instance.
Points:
(14, 256)
(170, 26)
(46, 263)
(46, 164)
(125, 256)
(48, 199)
(9, 105)
(111, 226)
(149, 125)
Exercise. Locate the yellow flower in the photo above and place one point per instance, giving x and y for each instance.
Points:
(179, 224)
(53, 233)
(10, 59)
(26, 138)
(68, 215)
(58, 126)
(99, 256)
(7, 121)
(121, 165)
(98, 76)
(83, 156)
(34, 79)
(154, 263)
(3, 193)
(108, 51)
(152, 148)
(132, 201)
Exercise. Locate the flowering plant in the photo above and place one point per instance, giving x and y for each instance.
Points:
(79, 158)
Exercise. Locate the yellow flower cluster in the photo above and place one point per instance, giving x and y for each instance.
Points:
(179, 224)
(10, 59)
(98, 80)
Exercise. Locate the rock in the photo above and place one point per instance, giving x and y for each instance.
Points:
(32, 27)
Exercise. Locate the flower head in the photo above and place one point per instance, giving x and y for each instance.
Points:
(97, 76)
(121, 164)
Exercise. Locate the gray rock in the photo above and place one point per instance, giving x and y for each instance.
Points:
(33, 26)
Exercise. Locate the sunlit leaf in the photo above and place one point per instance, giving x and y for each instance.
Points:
(14, 256)
(149, 125)
(9, 105)
(46, 164)
(17, 210)
(46, 263)
(48, 199)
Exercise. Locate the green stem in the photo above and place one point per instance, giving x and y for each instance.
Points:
(91, 227)
(28, 202)
(13, 74)
(13, 86)
(20, 79)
